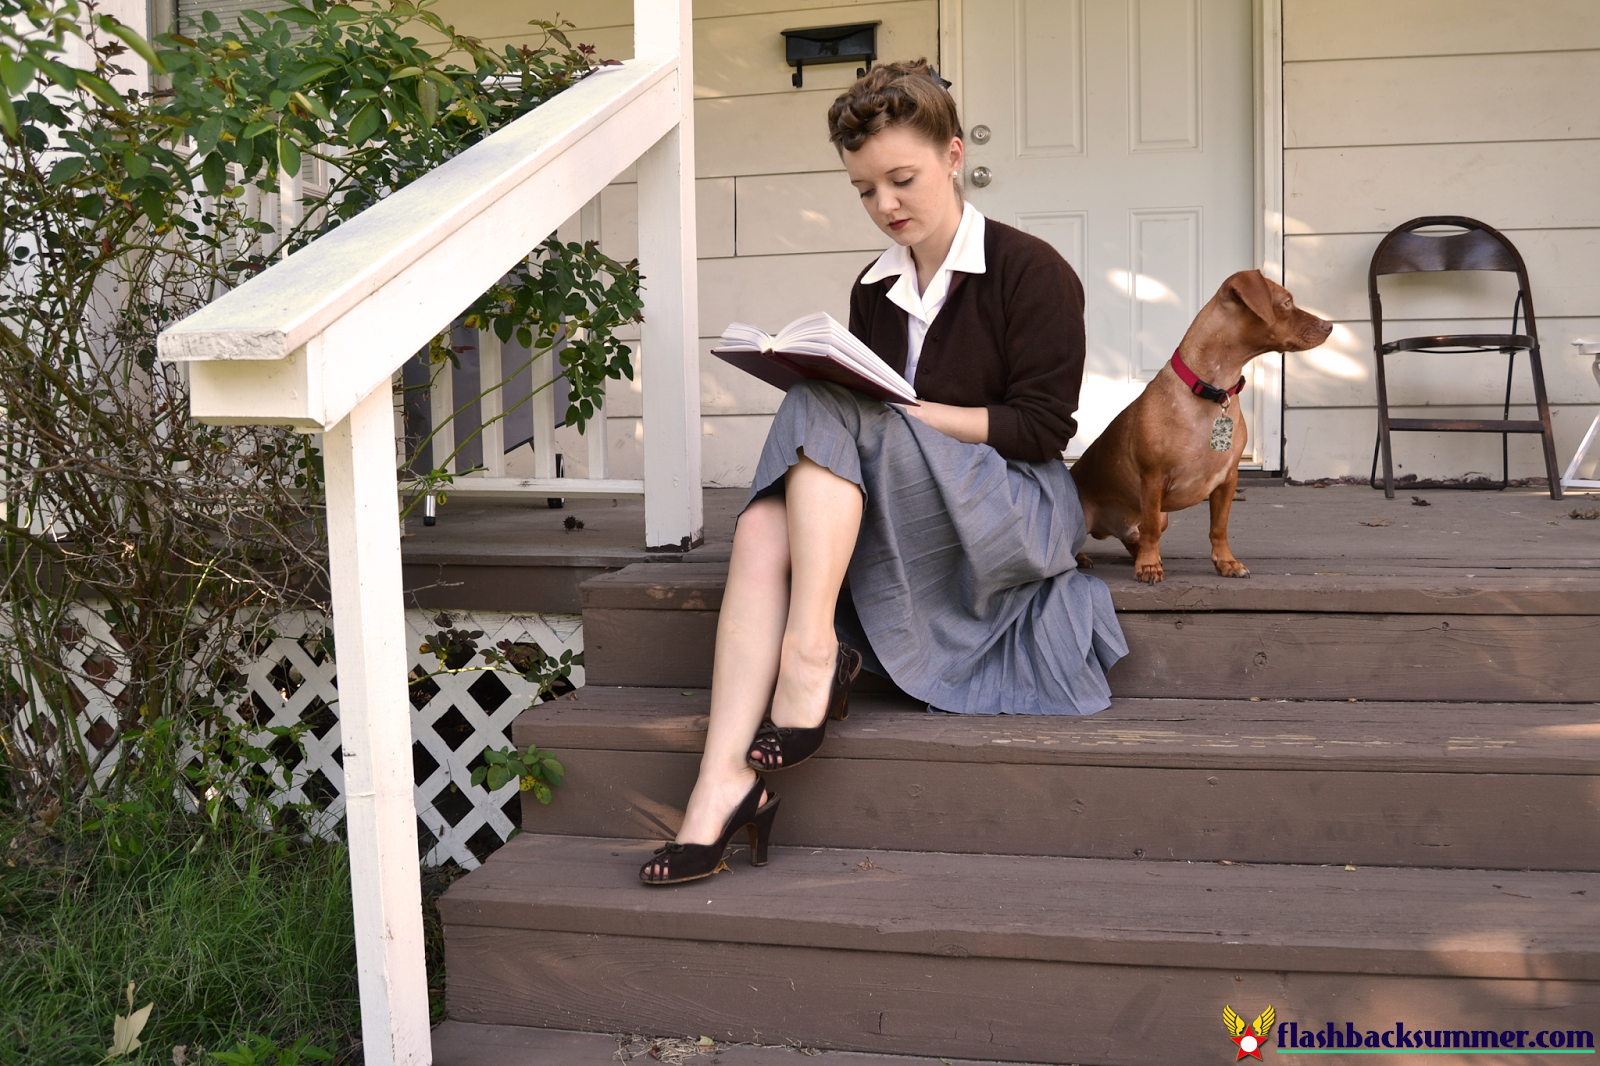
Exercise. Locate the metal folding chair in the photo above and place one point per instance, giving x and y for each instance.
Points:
(1472, 246)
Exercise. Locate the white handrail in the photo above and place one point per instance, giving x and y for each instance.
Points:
(313, 342)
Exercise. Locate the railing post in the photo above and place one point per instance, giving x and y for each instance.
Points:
(670, 338)
(375, 724)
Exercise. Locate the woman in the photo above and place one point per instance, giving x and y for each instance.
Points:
(955, 520)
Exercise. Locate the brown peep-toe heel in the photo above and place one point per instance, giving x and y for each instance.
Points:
(779, 748)
(678, 863)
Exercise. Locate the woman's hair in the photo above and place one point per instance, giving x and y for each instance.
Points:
(896, 94)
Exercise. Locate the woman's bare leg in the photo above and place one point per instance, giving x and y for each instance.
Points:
(789, 559)
(824, 520)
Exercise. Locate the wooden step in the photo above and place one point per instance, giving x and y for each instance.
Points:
(1026, 958)
(468, 1044)
(1474, 785)
(1307, 630)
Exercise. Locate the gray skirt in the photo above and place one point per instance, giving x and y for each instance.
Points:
(964, 578)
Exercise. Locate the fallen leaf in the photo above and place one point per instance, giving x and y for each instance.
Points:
(690, 693)
(1349, 867)
(1418, 501)
(1377, 522)
(1588, 515)
(722, 868)
(866, 864)
(1226, 862)
(706, 1041)
(180, 1055)
(1238, 497)
(125, 1030)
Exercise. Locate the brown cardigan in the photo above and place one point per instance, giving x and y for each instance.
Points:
(1009, 339)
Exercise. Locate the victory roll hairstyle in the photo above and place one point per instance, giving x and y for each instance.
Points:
(895, 94)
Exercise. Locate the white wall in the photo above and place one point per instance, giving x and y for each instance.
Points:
(781, 231)
(1400, 108)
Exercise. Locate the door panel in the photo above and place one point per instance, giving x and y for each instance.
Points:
(1121, 131)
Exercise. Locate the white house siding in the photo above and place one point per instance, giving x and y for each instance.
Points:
(1400, 108)
(781, 232)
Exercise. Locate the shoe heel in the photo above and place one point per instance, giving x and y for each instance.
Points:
(761, 833)
(840, 711)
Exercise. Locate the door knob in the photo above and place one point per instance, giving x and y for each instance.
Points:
(982, 176)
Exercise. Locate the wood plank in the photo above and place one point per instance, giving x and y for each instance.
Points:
(1521, 185)
(742, 54)
(631, 647)
(948, 1007)
(1337, 442)
(1341, 372)
(1365, 588)
(619, 218)
(1353, 29)
(1354, 656)
(518, 588)
(781, 214)
(1527, 96)
(1488, 924)
(774, 133)
(470, 1044)
(1328, 275)
(1438, 785)
(1421, 737)
(773, 290)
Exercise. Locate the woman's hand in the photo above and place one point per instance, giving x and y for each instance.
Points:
(968, 424)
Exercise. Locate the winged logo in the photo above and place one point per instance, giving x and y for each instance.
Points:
(1251, 1037)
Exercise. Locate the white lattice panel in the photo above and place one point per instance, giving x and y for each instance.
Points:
(293, 680)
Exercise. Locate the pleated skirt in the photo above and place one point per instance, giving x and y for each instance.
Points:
(964, 582)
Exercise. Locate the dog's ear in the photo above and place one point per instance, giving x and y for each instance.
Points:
(1250, 288)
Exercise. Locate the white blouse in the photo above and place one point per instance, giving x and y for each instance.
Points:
(965, 255)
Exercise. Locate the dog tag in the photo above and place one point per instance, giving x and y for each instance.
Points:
(1222, 434)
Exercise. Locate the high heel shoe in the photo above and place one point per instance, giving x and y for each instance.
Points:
(779, 748)
(678, 863)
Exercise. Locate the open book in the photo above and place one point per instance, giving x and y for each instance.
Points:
(815, 347)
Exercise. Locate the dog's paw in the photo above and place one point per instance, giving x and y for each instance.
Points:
(1084, 562)
(1230, 567)
(1149, 573)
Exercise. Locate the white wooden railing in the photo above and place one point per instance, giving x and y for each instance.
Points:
(313, 343)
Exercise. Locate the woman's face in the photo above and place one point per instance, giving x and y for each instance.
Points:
(906, 183)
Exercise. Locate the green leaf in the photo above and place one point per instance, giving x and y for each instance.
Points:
(210, 22)
(288, 154)
(479, 774)
(254, 130)
(311, 74)
(8, 116)
(108, 96)
(16, 73)
(65, 170)
(206, 137)
(365, 124)
(215, 172)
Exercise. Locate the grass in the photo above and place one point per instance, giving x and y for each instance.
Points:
(245, 934)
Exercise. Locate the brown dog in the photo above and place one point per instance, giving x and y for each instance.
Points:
(1171, 447)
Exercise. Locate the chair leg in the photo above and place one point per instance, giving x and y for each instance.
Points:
(1547, 433)
(1383, 431)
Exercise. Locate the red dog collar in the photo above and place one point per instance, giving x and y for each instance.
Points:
(1203, 389)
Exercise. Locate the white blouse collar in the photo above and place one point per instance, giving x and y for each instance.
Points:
(965, 256)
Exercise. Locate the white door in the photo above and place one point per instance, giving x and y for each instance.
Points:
(1121, 131)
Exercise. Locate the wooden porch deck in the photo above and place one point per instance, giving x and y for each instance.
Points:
(1359, 785)
(498, 556)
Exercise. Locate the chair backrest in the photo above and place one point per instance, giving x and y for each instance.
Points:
(1473, 246)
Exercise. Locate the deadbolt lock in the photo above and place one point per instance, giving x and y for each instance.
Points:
(981, 135)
